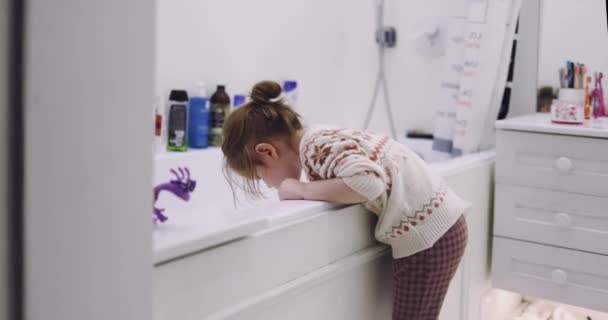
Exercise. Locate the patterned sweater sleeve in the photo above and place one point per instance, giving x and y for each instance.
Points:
(331, 157)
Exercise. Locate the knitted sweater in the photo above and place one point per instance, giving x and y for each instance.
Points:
(414, 205)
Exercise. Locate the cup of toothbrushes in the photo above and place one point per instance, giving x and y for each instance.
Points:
(569, 107)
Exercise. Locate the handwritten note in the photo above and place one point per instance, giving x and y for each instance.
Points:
(485, 35)
(449, 88)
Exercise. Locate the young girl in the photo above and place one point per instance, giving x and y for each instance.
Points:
(420, 217)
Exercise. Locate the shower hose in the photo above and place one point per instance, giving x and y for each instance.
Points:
(381, 82)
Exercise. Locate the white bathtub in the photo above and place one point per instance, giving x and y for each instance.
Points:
(274, 260)
(211, 216)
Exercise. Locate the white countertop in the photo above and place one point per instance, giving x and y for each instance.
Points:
(539, 122)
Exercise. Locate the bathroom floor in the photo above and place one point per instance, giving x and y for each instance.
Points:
(503, 305)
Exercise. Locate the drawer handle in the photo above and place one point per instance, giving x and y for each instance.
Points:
(559, 276)
(563, 164)
(563, 220)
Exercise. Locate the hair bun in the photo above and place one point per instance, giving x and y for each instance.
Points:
(265, 91)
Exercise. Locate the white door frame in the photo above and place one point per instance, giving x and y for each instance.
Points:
(89, 83)
(10, 161)
(525, 73)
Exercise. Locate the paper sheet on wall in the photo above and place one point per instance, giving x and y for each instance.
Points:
(474, 77)
(449, 89)
(483, 57)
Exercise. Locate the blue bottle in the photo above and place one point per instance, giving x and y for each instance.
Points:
(290, 91)
(198, 125)
(239, 100)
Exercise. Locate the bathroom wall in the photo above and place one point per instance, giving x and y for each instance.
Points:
(328, 46)
(571, 30)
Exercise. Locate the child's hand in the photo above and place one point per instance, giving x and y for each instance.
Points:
(291, 189)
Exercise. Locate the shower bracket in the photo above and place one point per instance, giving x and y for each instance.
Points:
(386, 37)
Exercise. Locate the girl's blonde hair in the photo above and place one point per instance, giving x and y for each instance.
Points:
(264, 117)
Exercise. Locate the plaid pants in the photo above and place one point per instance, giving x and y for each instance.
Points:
(422, 280)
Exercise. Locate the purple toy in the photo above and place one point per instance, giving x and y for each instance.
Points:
(181, 188)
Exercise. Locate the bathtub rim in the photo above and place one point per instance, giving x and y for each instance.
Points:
(274, 214)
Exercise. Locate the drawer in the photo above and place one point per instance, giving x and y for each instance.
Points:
(563, 219)
(564, 275)
(556, 162)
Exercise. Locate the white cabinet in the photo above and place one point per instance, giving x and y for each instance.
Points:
(551, 210)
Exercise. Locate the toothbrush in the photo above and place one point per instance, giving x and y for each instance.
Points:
(588, 98)
(581, 75)
(568, 74)
(577, 73)
(594, 98)
(600, 95)
(562, 77)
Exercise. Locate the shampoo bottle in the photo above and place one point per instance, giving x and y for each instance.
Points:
(220, 107)
(178, 121)
(198, 118)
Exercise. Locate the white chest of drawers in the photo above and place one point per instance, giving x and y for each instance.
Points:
(551, 210)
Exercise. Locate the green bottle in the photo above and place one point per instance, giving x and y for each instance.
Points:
(220, 108)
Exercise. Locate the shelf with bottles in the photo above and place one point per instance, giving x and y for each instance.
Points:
(191, 119)
(189, 153)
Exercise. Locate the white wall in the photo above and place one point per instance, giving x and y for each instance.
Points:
(88, 159)
(572, 30)
(327, 45)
